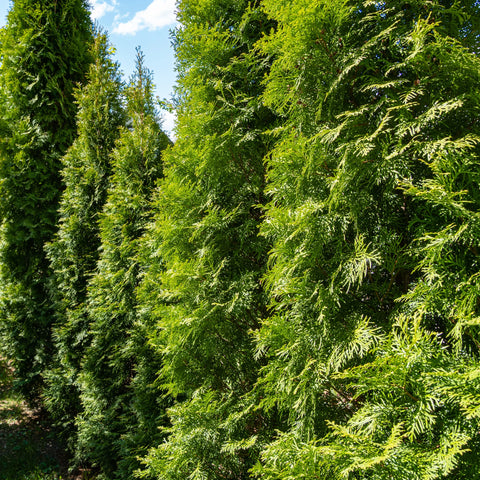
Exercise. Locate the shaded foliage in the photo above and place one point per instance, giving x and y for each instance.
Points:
(44, 53)
(119, 410)
(74, 250)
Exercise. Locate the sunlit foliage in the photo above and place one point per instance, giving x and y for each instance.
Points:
(373, 218)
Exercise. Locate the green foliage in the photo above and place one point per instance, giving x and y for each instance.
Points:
(299, 299)
(120, 408)
(207, 439)
(44, 54)
(204, 286)
(373, 275)
(417, 417)
(74, 251)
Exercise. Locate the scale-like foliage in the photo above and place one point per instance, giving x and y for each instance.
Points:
(205, 282)
(44, 54)
(120, 411)
(373, 218)
(74, 250)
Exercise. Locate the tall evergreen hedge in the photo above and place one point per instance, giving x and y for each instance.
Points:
(372, 349)
(73, 252)
(291, 290)
(44, 54)
(113, 426)
(205, 285)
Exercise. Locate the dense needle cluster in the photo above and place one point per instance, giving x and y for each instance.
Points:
(288, 292)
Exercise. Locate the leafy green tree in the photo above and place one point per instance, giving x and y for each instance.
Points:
(203, 287)
(44, 54)
(119, 410)
(74, 251)
(372, 347)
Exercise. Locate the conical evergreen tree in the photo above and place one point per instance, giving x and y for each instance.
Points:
(207, 261)
(45, 52)
(112, 431)
(74, 250)
(372, 349)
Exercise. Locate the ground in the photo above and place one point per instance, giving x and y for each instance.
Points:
(30, 448)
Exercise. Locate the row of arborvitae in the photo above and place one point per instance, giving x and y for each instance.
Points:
(291, 290)
(80, 156)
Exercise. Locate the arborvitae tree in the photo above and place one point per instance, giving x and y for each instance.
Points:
(114, 428)
(74, 251)
(373, 345)
(44, 54)
(204, 284)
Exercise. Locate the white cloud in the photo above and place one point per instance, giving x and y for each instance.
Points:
(158, 14)
(100, 8)
(168, 123)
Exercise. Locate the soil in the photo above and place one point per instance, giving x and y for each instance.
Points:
(30, 448)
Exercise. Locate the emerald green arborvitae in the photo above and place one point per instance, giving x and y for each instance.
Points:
(74, 251)
(372, 352)
(44, 54)
(115, 425)
(204, 285)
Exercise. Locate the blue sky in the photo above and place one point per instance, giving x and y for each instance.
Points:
(137, 22)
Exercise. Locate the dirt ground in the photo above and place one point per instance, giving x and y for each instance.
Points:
(30, 449)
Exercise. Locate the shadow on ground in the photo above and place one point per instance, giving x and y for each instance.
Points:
(29, 447)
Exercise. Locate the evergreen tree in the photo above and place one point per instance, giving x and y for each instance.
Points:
(372, 349)
(114, 425)
(74, 250)
(44, 49)
(204, 284)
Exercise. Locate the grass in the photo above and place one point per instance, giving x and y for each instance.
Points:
(29, 446)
